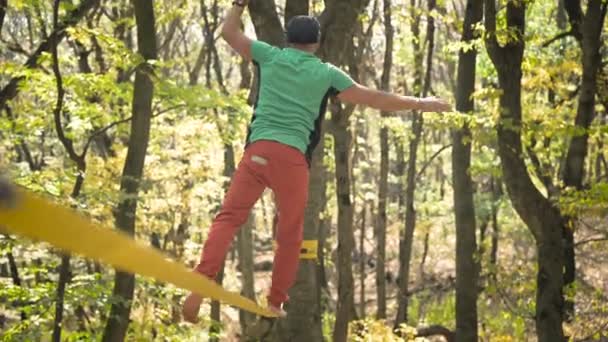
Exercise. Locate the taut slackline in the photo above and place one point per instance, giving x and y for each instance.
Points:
(29, 215)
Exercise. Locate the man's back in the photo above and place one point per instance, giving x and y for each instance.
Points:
(294, 87)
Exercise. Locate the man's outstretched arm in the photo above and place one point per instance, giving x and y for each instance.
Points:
(361, 95)
(232, 33)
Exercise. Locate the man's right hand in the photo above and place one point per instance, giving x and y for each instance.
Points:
(434, 104)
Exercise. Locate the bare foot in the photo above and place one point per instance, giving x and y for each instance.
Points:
(191, 307)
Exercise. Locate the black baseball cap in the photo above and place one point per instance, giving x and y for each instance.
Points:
(303, 29)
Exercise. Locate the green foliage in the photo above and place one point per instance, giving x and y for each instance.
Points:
(193, 125)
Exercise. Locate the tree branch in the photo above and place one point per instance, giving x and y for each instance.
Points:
(598, 239)
(433, 330)
(428, 162)
(490, 24)
(65, 141)
(116, 123)
(575, 17)
(11, 89)
(538, 167)
(558, 37)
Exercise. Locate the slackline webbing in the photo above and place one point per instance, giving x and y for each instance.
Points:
(33, 217)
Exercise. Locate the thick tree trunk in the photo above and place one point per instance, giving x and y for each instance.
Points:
(304, 319)
(125, 213)
(346, 243)
(542, 218)
(296, 7)
(467, 269)
(303, 322)
(266, 22)
(339, 22)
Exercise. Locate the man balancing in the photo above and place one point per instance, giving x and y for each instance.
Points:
(294, 88)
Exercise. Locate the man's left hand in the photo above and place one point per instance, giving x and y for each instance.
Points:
(433, 104)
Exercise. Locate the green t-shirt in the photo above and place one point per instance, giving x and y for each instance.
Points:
(293, 93)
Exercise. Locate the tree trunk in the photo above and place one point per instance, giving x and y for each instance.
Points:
(407, 239)
(362, 257)
(245, 252)
(3, 9)
(78, 159)
(467, 269)
(405, 246)
(381, 226)
(266, 22)
(384, 160)
(346, 243)
(573, 176)
(542, 218)
(338, 20)
(496, 195)
(215, 315)
(125, 213)
(64, 278)
(14, 271)
(304, 319)
(296, 7)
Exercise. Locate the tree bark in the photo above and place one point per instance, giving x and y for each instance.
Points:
(346, 243)
(304, 319)
(215, 315)
(540, 215)
(362, 259)
(3, 9)
(467, 269)
(384, 160)
(573, 176)
(125, 213)
(296, 7)
(245, 252)
(381, 226)
(266, 22)
(338, 22)
(421, 88)
(245, 236)
(79, 161)
(496, 188)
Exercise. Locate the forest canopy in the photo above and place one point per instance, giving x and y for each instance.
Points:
(485, 223)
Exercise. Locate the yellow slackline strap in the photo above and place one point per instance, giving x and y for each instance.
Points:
(31, 216)
(308, 251)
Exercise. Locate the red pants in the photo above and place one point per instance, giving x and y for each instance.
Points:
(265, 164)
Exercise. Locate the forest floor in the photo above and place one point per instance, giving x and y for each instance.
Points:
(434, 281)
